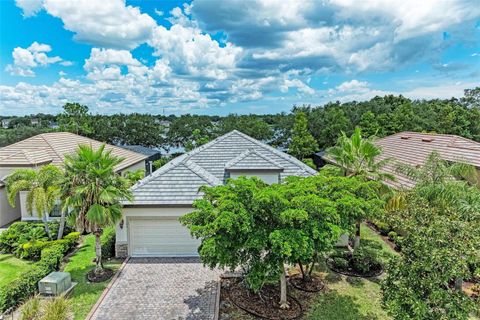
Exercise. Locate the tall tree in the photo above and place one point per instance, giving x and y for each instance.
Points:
(303, 144)
(42, 186)
(75, 119)
(357, 156)
(93, 192)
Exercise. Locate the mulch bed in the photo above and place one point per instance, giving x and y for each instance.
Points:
(352, 272)
(105, 275)
(265, 304)
(315, 284)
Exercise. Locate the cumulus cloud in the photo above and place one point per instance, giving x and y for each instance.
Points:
(107, 23)
(340, 35)
(25, 59)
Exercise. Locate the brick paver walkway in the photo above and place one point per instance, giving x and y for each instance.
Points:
(163, 289)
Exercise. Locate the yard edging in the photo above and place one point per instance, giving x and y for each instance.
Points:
(106, 290)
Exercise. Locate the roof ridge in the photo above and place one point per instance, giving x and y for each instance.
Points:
(51, 147)
(248, 152)
(278, 153)
(202, 173)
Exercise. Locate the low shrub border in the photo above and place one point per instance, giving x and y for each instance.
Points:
(25, 286)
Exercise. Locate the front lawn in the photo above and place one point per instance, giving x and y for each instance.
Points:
(86, 293)
(11, 267)
(346, 298)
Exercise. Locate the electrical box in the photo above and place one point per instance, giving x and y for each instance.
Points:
(55, 283)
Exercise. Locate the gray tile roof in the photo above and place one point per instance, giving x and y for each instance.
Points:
(177, 182)
(253, 160)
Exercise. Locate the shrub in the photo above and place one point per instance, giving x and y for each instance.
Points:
(365, 259)
(33, 249)
(382, 227)
(26, 284)
(30, 309)
(340, 263)
(392, 235)
(72, 238)
(56, 309)
(108, 242)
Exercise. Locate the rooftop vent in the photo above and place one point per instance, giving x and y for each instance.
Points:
(405, 137)
(427, 139)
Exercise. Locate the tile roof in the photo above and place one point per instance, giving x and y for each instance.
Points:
(413, 148)
(253, 160)
(52, 148)
(177, 182)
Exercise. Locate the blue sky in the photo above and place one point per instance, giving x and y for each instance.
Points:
(219, 57)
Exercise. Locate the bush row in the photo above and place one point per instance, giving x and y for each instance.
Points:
(32, 250)
(108, 243)
(20, 233)
(26, 284)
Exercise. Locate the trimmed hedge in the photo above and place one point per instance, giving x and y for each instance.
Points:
(26, 284)
(108, 243)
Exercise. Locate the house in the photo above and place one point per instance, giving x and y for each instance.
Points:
(49, 148)
(150, 225)
(6, 123)
(413, 148)
(152, 155)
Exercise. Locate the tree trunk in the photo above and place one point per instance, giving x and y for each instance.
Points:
(458, 283)
(47, 228)
(283, 288)
(301, 270)
(61, 227)
(356, 242)
(98, 252)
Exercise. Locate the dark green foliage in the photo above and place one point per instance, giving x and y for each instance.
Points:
(365, 259)
(302, 144)
(20, 233)
(340, 262)
(108, 243)
(26, 285)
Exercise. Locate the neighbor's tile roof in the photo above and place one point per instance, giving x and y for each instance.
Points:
(177, 182)
(413, 148)
(52, 147)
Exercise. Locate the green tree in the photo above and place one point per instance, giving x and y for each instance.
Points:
(369, 124)
(75, 118)
(42, 190)
(196, 140)
(357, 156)
(93, 191)
(303, 144)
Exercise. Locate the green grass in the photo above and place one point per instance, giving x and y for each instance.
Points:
(11, 267)
(350, 298)
(85, 293)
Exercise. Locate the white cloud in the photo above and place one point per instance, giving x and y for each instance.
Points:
(24, 60)
(29, 7)
(353, 85)
(107, 23)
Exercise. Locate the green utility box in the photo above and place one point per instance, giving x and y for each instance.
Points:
(55, 283)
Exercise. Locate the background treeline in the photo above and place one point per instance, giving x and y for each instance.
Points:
(380, 116)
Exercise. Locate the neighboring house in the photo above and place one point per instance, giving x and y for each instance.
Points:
(150, 225)
(49, 148)
(152, 154)
(6, 123)
(413, 148)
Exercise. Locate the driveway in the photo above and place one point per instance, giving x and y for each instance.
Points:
(161, 288)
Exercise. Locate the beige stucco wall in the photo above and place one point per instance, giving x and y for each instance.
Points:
(135, 167)
(7, 213)
(267, 176)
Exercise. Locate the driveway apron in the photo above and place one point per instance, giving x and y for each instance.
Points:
(161, 288)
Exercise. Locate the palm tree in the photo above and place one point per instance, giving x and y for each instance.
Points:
(42, 188)
(92, 193)
(358, 156)
(443, 183)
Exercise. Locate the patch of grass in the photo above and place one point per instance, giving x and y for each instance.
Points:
(86, 293)
(11, 267)
(368, 234)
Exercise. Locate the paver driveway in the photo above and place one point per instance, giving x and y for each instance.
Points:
(161, 288)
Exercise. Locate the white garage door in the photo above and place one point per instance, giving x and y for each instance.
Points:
(161, 237)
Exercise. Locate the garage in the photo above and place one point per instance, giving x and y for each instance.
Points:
(160, 237)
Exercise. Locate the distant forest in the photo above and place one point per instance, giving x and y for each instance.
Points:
(380, 116)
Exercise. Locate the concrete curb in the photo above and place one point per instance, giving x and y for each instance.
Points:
(106, 290)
